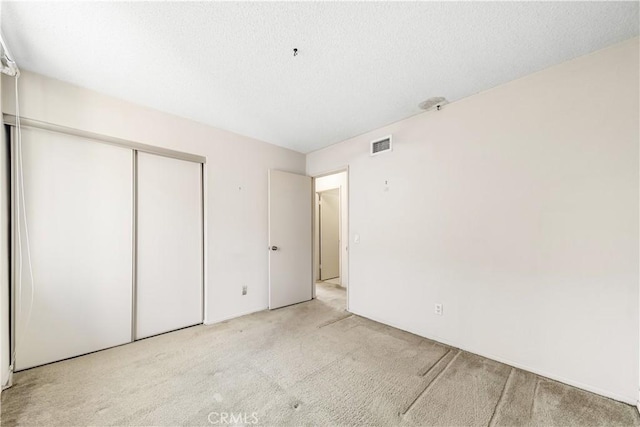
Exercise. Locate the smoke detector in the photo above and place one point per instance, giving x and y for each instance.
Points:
(433, 103)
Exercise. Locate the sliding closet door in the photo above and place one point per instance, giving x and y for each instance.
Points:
(79, 204)
(169, 288)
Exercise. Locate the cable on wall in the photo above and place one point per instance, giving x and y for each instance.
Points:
(9, 67)
(22, 215)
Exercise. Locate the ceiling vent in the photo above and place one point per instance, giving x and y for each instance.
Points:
(382, 145)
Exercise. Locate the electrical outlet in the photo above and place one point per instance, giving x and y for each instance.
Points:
(244, 290)
(438, 309)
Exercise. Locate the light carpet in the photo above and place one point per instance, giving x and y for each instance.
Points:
(335, 281)
(308, 364)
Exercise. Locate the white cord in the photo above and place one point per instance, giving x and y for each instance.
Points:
(21, 204)
(19, 270)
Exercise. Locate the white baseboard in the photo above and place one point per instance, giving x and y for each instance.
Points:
(574, 383)
(222, 319)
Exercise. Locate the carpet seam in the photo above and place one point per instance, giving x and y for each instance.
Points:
(433, 381)
(533, 399)
(504, 389)
(335, 321)
(424, 373)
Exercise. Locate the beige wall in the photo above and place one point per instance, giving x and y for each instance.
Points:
(517, 209)
(236, 182)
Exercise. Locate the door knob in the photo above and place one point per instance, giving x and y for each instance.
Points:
(274, 248)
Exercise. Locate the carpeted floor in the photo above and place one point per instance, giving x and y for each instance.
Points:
(335, 281)
(308, 364)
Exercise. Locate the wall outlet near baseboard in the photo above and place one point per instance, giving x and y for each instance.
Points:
(438, 309)
(244, 289)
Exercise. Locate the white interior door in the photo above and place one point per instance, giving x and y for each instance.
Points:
(290, 231)
(329, 213)
(169, 289)
(79, 204)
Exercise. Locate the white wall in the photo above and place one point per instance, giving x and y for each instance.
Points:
(516, 208)
(328, 182)
(236, 183)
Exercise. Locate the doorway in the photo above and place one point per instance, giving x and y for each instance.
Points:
(331, 238)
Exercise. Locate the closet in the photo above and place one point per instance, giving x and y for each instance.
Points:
(107, 242)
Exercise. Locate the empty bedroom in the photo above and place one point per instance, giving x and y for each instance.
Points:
(319, 213)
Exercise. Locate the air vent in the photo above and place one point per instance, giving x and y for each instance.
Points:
(381, 145)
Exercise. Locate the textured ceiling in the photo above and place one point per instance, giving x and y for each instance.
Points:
(360, 65)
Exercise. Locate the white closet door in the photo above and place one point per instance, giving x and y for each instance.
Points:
(169, 245)
(79, 204)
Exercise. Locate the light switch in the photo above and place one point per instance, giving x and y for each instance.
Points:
(356, 238)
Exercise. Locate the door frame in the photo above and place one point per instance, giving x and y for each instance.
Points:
(344, 265)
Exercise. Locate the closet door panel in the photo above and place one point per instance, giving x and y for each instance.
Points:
(169, 290)
(79, 206)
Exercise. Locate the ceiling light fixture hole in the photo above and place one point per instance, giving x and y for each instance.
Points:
(436, 102)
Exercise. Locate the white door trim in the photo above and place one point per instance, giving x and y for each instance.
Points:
(343, 265)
